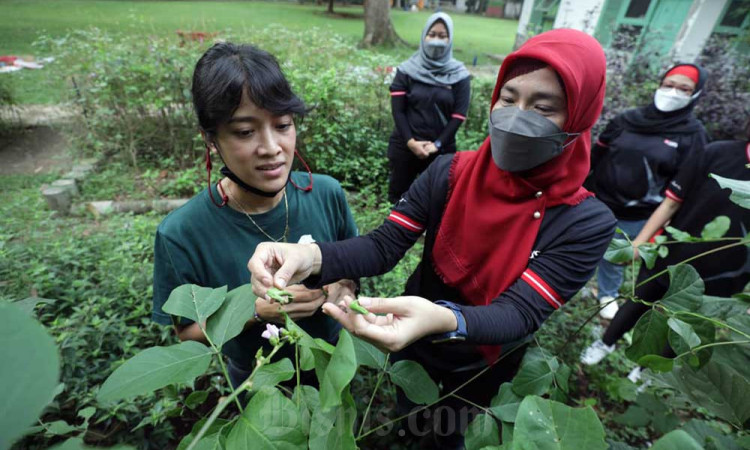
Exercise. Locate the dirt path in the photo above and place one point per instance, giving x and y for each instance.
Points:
(34, 150)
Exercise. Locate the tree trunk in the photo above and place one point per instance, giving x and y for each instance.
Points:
(330, 6)
(378, 26)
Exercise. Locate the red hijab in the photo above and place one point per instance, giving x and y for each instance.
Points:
(488, 228)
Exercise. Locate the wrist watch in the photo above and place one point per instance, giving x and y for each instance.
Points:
(457, 335)
(437, 144)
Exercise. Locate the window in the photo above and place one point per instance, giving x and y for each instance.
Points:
(735, 13)
(637, 9)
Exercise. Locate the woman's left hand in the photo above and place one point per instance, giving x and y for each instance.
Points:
(431, 148)
(335, 292)
(405, 320)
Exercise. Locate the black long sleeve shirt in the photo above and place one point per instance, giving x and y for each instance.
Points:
(568, 247)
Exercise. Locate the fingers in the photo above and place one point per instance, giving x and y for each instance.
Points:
(397, 306)
(261, 270)
(301, 294)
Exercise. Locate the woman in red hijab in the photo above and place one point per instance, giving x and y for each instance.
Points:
(510, 233)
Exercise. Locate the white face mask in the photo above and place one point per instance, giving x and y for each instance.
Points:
(670, 99)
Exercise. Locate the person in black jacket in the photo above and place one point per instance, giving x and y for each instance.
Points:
(510, 233)
(429, 101)
(638, 154)
(693, 200)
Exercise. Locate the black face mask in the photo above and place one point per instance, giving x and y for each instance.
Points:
(232, 176)
(522, 140)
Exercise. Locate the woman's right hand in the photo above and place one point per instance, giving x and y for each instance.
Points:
(419, 148)
(276, 264)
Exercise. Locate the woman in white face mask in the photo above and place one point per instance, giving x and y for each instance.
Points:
(429, 100)
(638, 154)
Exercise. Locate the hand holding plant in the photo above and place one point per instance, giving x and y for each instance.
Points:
(405, 320)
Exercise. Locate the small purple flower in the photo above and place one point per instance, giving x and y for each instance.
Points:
(272, 331)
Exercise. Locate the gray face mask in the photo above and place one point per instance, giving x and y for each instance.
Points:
(435, 49)
(522, 140)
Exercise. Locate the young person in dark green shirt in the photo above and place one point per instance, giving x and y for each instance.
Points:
(246, 111)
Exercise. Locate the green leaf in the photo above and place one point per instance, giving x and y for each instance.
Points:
(685, 331)
(505, 404)
(678, 235)
(309, 400)
(306, 358)
(76, 443)
(656, 363)
(87, 413)
(31, 370)
(722, 308)
(59, 428)
(536, 374)
(676, 440)
(740, 189)
(195, 399)
(707, 436)
(562, 377)
(417, 385)
(619, 251)
(29, 304)
(368, 355)
(339, 372)
(194, 302)
(229, 320)
(704, 330)
(482, 432)
(649, 336)
(155, 368)
(273, 374)
(209, 439)
(634, 417)
(735, 356)
(544, 424)
(648, 253)
(716, 228)
(270, 421)
(685, 291)
(342, 435)
(716, 387)
(663, 252)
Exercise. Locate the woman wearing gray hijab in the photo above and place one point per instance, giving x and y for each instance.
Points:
(429, 101)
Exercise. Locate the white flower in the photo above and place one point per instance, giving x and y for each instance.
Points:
(272, 331)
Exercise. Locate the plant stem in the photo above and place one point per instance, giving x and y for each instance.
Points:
(713, 344)
(480, 373)
(657, 275)
(247, 384)
(710, 319)
(377, 385)
(217, 352)
(485, 409)
(296, 366)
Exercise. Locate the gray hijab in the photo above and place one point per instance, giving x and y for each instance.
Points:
(442, 71)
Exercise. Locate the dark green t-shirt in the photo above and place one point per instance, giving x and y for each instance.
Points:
(209, 246)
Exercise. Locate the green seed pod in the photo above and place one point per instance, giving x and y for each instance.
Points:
(356, 307)
(280, 296)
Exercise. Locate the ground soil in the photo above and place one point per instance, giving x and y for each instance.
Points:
(29, 150)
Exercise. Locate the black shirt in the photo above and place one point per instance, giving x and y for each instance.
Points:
(568, 247)
(427, 112)
(631, 170)
(702, 201)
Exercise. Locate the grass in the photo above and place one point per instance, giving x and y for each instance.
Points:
(25, 20)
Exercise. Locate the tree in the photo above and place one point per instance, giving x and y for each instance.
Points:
(378, 26)
(330, 7)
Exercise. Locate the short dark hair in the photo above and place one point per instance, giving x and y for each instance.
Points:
(227, 70)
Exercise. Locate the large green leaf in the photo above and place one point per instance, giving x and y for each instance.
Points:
(155, 368)
(482, 432)
(368, 355)
(414, 381)
(716, 228)
(685, 291)
(194, 302)
(716, 387)
(547, 425)
(679, 235)
(740, 189)
(648, 253)
(505, 404)
(308, 399)
(29, 304)
(272, 374)
(676, 440)
(709, 437)
(30, 373)
(341, 436)
(649, 336)
(685, 331)
(270, 421)
(229, 320)
(700, 329)
(536, 374)
(339, 372)
(619, 251)
(735, 356)
(210, 440)
(722, 308)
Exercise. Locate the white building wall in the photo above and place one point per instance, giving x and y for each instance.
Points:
(579, 14)
(523, 21)
(697, 28)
